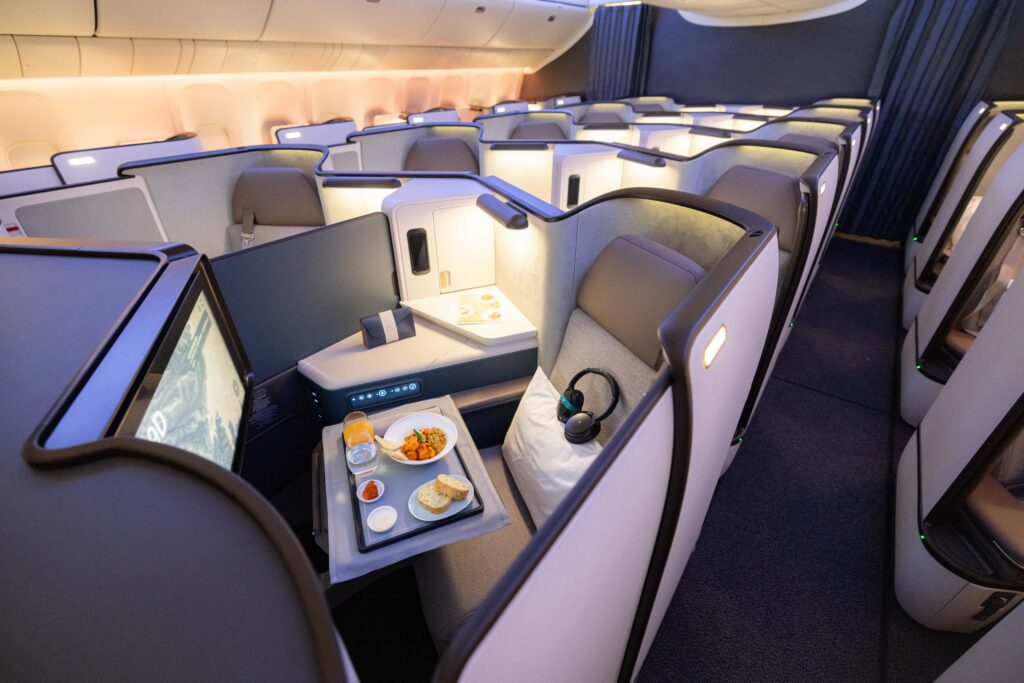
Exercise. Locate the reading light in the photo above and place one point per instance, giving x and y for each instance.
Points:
(822, 188)
(559, 102)
(416, 119)
(982, 110)
(855, 141)
(1004, 126)
(292, 135)
(81, 161)
(714, 346)
(500, 110)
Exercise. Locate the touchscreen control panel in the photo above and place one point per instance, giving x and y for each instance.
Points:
(385, 394)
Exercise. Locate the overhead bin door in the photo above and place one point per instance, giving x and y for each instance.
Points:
(47, 17)
(352, 21)
(537, 24)
(220, 20)
(468, 23)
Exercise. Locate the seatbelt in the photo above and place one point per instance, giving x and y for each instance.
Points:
(248, 231)
(1009, 269)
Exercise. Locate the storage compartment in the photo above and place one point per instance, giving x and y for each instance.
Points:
(537, 24)
(223, 20)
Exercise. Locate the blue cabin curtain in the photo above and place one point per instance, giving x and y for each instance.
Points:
(932, 70)
(619, 52)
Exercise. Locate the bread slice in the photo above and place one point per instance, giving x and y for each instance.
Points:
(433, 500)
(451, 487)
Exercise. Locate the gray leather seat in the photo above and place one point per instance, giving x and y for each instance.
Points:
(271, 203)
(441, 154)
(601, 117)
(538, 130)
(607, 329)
(776, 196)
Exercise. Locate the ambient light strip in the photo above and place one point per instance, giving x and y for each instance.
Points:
(81, 161)
(714, 346)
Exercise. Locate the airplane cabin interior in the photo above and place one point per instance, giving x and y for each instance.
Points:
(511, 340)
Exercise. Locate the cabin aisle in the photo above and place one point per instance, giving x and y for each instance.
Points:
(790, 579)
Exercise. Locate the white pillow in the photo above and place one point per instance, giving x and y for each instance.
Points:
(544, 465)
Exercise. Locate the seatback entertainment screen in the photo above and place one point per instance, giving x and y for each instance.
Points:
(193, 394)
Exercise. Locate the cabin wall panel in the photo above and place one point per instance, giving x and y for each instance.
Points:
(40, 117)
(151, 57)
(105, 56)
(10, 62)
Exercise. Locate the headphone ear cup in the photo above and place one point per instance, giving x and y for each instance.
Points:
(570, 403)
(581, 428)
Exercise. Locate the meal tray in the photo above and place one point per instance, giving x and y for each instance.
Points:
(399, 483)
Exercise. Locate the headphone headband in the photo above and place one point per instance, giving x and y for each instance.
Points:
(611, 383)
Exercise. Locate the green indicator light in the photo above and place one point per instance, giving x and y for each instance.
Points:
(740, 440)
(917, 365)
(916, 238)
(922, 537)
(792, 324)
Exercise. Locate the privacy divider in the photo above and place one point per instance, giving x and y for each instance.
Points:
(192, 194)
(1000, 138)
(960, 151)
(101, 163)
(294, 296)
(385, 148)
(120, 209)
(28, 180)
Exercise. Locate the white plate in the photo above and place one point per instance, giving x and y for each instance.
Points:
(423, 514)
(403, 426)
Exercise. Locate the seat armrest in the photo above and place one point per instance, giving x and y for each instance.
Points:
(480, 398)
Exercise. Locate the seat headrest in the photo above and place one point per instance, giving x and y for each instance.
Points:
(632, 286)
(277, 196)
(776, 196)
(648, 108)
(821, 145)
(441, 154)
(538, 130)
(601, 117)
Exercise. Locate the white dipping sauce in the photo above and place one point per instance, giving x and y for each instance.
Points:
(382, 519)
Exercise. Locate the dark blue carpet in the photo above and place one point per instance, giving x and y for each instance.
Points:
(791, 577)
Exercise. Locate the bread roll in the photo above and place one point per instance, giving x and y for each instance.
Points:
(451, 487)
(433, 500)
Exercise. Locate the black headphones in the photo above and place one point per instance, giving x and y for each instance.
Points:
(581, 425)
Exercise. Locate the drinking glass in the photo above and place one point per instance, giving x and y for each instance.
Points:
(360, 450)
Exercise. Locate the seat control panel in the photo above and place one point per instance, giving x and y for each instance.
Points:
(385, 394)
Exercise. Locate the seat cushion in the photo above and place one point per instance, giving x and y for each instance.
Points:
(601, 117)
(543, 463)
(647, 107)
(453, 580)
(588, 345)
(631, 288)
(538, 130)
(776, 196)
(277, 196)
(441, 154)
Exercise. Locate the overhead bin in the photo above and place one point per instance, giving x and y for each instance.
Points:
(221, 20)
(468, 23)
(47, 17)
(351, 21)
(537, 24)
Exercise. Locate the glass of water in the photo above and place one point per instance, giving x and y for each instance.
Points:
(360, 450)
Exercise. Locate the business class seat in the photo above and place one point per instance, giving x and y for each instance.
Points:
(538, 130)
(269, 203)
(606, 329)
(776, 196)
(447, 154)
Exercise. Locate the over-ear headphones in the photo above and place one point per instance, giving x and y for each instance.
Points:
(581, 425)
